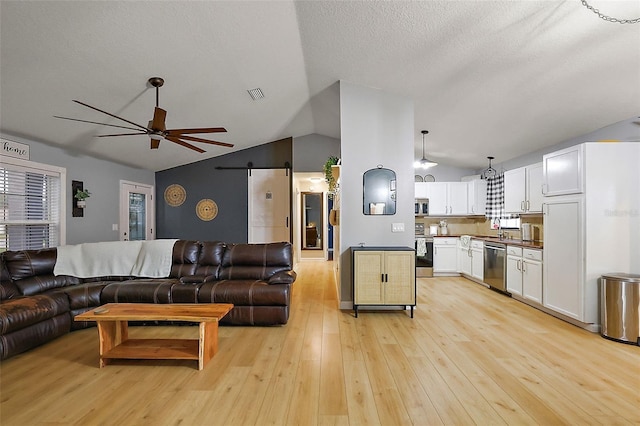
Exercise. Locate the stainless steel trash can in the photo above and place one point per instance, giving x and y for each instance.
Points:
(620, 307)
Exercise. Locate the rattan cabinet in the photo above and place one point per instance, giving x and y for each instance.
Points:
(384, 276)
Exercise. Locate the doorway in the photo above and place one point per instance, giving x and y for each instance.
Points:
(311, 190)
(137, 212)
(312, 220)
(269, 205)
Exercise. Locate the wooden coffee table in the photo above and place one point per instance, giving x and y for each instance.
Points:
(113, 331)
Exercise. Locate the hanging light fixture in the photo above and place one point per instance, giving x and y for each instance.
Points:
(424, 163)
(489, 172)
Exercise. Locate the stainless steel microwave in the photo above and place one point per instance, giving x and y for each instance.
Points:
(422, 207)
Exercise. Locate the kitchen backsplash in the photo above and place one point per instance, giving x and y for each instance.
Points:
(480, 226)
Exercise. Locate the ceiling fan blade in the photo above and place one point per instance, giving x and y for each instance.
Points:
(109, 114)
(159, 116)
(94, 122)
(194, 139)
(176, 132)
(185, 144)
(121, 134)
(155, 143)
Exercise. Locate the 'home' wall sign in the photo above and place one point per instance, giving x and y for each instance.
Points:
(14, 149)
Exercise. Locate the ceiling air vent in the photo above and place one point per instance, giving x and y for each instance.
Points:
(256, 94)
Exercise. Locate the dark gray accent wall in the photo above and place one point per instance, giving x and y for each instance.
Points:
(228, 188)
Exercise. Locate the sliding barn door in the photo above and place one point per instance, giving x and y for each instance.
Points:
(269, 205)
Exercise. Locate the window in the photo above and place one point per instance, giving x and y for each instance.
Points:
(31, 205)
(506, 222)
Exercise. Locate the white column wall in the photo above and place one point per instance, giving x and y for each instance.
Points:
(376, 129)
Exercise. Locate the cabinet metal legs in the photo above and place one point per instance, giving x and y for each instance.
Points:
(355, 309)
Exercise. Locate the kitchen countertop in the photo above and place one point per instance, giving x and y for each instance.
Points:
(506, 241)
(511, 242)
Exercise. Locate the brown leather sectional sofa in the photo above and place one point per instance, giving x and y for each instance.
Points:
(36, 306)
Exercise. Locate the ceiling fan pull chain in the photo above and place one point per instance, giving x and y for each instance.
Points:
(609, 18)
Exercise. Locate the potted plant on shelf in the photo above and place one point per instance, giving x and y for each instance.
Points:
(331, 180)
(81, 195)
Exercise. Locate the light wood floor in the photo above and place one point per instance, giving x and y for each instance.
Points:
(470, 356)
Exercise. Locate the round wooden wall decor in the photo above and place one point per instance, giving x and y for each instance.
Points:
(175, 195)
(206, 209)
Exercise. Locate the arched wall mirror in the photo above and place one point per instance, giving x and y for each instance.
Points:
(379, 197)
(312, 219)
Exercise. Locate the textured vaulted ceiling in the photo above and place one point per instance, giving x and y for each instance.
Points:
(500, 78)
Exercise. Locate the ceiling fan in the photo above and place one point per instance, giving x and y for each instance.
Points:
(156, 129)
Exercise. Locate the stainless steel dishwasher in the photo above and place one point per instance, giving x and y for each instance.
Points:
(495, 265)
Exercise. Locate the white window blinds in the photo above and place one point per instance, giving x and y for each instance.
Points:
(31, 210)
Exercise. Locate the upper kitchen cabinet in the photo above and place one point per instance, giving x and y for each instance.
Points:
(447, 198)
(523, 189)
(421, 190)
(563, 172)
(477, 197)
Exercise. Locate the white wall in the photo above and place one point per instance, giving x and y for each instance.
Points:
(376, 129)
(624, 131)
(443, 173)
(310, 152)
(101, 177)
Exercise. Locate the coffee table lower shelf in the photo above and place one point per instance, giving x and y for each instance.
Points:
(155, 349)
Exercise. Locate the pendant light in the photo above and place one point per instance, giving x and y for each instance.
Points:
(489, 172)
(424, 163)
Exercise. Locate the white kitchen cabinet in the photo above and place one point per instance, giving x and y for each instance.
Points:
(477, 259)
(563, 172)
(514, 189)
(445, 255)
(457, 196)
(437, 194)
(523, 189)
(477, 197)
(421, 190)
(534, 196)
(524, 273)
(514, 270)
(447, 198)
(532, 275)
(592, 233)
(464, 260)
(564, 289)
(384, 276)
